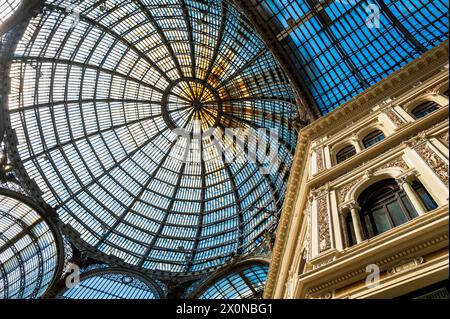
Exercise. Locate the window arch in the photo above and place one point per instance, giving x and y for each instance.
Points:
(384, 206)
(242, 282)
(345, 153)
(373, 138)
(424, 109)
(113, 283)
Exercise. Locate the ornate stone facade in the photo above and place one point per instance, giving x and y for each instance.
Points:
(440, 167)
(339, 250)
(324, 224)
(320, 161)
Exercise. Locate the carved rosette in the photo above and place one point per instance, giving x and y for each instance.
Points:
(394, 117)
(434, 161)
(324, 224)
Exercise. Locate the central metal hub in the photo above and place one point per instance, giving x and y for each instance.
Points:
(188, 100)
(197, 105)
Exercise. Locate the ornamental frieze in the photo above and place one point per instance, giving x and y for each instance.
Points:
(320, 161)
(439, 166)
(394, 117)
(324, 225)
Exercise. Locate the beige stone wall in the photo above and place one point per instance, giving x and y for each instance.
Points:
(312, 257)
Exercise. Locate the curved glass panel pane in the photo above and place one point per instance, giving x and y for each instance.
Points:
(111, 285)
(114, 106)
(7, 8)
(28, 251)
(344, 47)
(246, 283)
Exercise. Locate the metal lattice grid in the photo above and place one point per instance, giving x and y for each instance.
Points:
(94, 97)
(344, 47)
(247, 282)
(7, 9)
(30, 251)
(112, 284)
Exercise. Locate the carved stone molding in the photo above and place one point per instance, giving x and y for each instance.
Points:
(397, 162)
(394, 117)
(406, 265)
(385, 261)
(444, 137)
(434, 161)
(320, 160)
(320, 191)
(344, 190)
(323, 263)
(323, 221)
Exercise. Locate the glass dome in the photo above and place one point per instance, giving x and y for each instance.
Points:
(114, 103)
(28, 251)
(112, 284)
(7, 8)
(244, 283)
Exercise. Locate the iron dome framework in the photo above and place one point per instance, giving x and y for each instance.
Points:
(31, 248)
(245, 280)
(91, 93)
(341, 48)
(95, 93)
(113, 283)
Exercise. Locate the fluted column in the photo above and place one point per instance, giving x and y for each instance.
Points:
(416, 201)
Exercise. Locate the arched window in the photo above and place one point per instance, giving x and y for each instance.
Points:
(346, 153)
(384, 206)
(373, 138)
(424, 109)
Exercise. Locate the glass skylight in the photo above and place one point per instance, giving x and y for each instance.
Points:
(245, 283)
(111, 285)
(343, 47)
(28, 251)
(7, 8)
(98, 90)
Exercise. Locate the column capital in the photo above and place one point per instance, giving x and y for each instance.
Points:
(349, 206)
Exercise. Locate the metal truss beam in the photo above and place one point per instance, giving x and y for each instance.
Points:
(308, 110)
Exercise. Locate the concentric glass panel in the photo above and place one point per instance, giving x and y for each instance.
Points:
(344, 47)
(111, 285)
(28, 252)
(123, 110)
(246, 283)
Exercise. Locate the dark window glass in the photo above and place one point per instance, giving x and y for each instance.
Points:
(446, 92)
(427, 200)
(373, 138)
(346, 153)
(424, 109)
(384, 206)
(351, 231)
